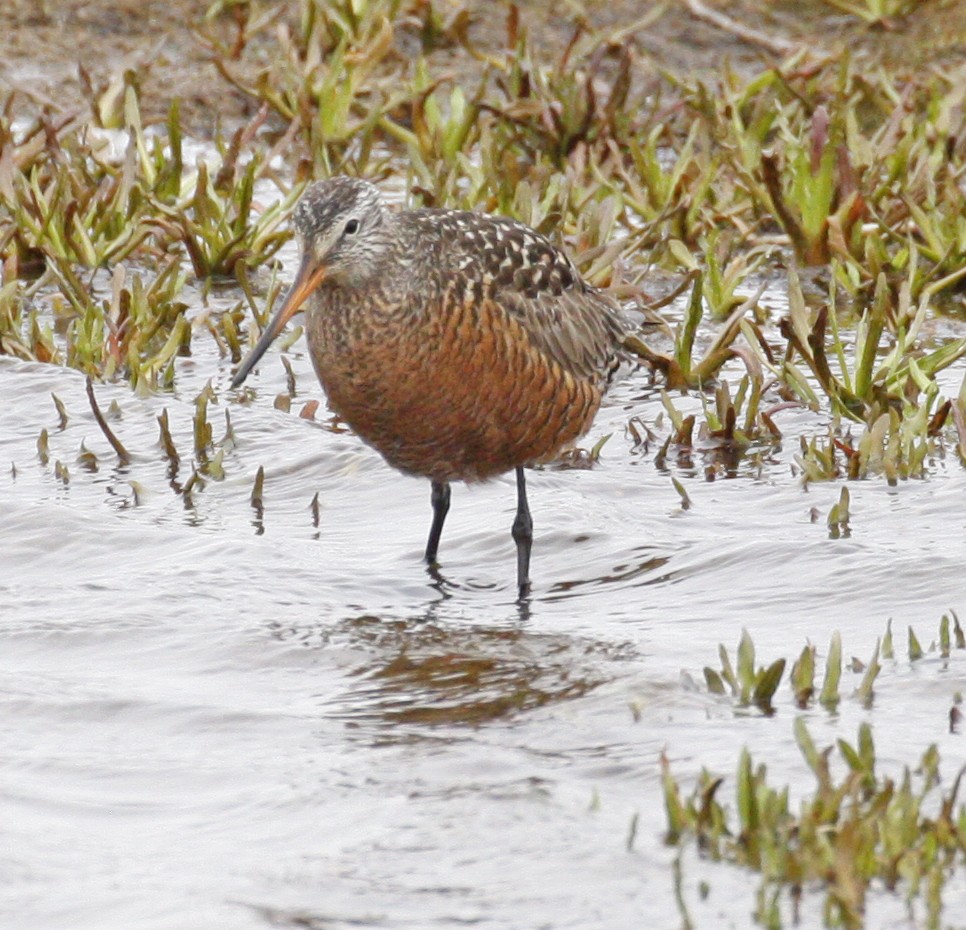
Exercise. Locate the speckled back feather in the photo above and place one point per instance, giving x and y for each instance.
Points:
(499, 258)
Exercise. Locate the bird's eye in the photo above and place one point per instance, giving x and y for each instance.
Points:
(351, 227)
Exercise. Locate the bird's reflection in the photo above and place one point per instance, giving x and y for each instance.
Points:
(436, 669)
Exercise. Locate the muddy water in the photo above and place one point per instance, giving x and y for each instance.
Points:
(214, 716)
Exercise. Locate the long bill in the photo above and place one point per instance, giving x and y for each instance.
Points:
(307, 280)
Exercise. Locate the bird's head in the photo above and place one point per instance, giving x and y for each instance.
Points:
(344, 229)
(343, 226)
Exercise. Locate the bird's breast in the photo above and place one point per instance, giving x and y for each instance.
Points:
(448, 386)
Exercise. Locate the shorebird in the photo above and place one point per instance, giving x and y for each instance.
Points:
(460, 345)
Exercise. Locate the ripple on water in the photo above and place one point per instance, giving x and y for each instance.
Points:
(427, 674)
(217, 717)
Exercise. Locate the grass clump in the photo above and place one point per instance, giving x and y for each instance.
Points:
(750, 685)
(850, 834)
(71, 210)
(746, 683)
(714, 184)
(856, 831)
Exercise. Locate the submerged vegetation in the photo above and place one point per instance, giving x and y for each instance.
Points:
(854, 832)
(757, 686)
(905, 834)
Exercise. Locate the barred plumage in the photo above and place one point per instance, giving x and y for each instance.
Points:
(460, 345)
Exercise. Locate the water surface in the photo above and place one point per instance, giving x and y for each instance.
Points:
(216, 715)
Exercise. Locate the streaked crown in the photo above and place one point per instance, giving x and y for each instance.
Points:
(345, 225)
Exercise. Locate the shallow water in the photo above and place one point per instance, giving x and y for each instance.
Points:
(214, 716)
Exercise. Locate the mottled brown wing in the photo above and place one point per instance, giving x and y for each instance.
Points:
(534, 282)
(579, 328)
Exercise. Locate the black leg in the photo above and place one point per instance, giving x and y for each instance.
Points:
(440, 501)
(523, 535)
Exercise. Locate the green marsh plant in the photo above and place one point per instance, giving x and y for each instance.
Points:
(850, 834)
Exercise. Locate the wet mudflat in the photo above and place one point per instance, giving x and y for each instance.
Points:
(232, 695)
